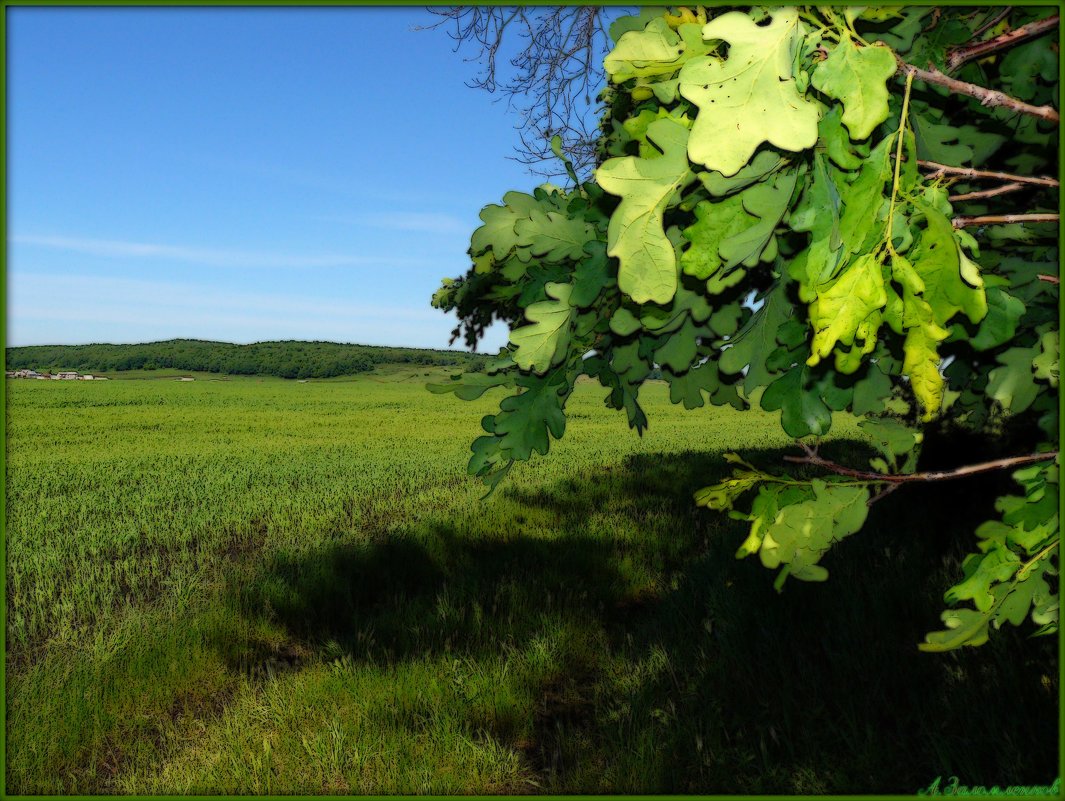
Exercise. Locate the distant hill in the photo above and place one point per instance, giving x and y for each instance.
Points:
(286, 359)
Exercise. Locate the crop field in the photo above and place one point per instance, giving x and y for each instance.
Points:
(264, 586)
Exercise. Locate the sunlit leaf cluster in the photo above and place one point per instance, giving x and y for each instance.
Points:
(779, 218)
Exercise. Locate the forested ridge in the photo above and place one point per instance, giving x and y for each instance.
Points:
(286, 359)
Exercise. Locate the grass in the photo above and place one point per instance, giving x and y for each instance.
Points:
(274, 587)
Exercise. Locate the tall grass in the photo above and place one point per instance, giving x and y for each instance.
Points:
(272, 587)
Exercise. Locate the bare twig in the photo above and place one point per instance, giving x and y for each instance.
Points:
(968, 172)
(1050, 279)
(957, 56)
(1001, 190)
(991, 23)
(905, 478)
(1003, 219)
(987, 97)
(554, 71)
(887, 490)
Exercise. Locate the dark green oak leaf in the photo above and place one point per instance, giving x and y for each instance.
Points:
(891, 437)
(838, 146)
(527, 421)
(544, 342)
(1022, 598)
(768, 202)
(592, 275)
(523, 426)
(763, 164)
(634, 22)
(939, 261)
(1024, 68)
(623, 322)
(1046, 365)
(629, 361)
(535, 279)
(470, 386)
(689, 388)
(1013, 383)
(636, 127)
(714, 223)
(802, 412)
(940, 142)
(817, 213)
(725, 320)
(553, 235)
(871, 392)
(836, 393)
(722, 496)
(982, 570)
(680, 348)
(686, 303)
(754, 343)
(864, 200)
(901, 35)
(932, 46)
(857, 77)
(624, 392)
(963, 627)
(1004, 312)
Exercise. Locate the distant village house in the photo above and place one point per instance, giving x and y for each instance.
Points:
(66, 375)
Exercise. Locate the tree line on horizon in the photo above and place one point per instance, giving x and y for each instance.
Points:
(286, 359)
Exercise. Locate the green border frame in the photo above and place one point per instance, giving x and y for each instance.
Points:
(251, 4)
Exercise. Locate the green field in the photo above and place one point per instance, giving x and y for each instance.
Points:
(264, 586)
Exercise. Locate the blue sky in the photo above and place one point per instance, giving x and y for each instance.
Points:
(243, 174)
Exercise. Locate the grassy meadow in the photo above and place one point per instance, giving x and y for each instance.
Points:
(264, 586)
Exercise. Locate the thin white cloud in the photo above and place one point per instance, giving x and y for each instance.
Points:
(282, 174)
(311, 179)
(421, 222)
(58, 308)
(210, 257)
(71, 291)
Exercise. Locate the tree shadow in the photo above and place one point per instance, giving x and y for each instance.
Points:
(694, 675)
(405, 597)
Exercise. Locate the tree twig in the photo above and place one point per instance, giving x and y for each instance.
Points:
(1050, 279)
(987, 97)
(957, 56)
(887, 490)
(991, 23)
(546, 62)
(968, 172)
(1002, 219)
(936, 475)
(1001, 190)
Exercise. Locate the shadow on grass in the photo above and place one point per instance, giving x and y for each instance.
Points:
(683, 671)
